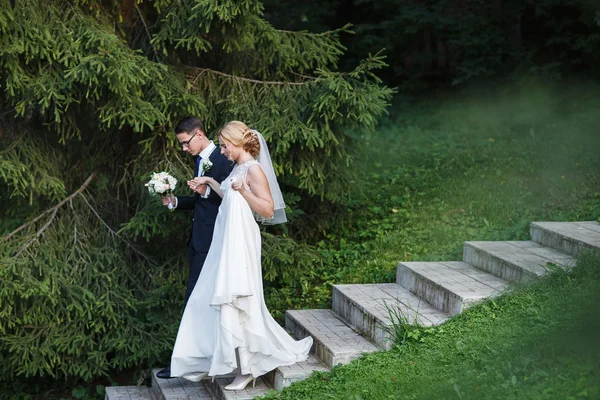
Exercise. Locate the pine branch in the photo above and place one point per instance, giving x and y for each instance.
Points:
(372, 62)
(304, 76)
(145, 27)
(115, 233)
(38, 233)
(14, 144)
(54, 209)
(201, 71)
(345, 28)
(7, 112)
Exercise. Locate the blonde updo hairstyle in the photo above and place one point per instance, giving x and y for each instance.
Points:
(239, 134)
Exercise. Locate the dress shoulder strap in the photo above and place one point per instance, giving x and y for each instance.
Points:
(245, 172)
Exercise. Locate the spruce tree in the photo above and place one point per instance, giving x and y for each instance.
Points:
(91, 266)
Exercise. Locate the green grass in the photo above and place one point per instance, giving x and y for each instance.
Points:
(468, 169)
(540, 341)
(473, 168)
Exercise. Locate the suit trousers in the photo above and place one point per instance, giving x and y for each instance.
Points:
(196, 260)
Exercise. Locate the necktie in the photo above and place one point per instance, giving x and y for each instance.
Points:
(197, 169)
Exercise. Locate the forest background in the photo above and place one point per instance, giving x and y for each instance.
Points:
(93, 268)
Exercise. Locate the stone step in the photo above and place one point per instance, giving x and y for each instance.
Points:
(207, 389)
(449, 286)
(334, 341)
(284, 376)
(514, 261)
(179, 389)
(279, 378)
(569, 237)
(372, 308)
(128, 393)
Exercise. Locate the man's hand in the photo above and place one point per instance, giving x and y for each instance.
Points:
(168, 199)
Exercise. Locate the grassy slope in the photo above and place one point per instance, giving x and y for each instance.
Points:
(538, 342)
(470, 170)
(475, 170)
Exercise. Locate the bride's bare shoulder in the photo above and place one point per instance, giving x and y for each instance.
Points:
(256, 173)
(255, 169)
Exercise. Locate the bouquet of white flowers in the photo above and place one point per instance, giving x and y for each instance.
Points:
(161, 184)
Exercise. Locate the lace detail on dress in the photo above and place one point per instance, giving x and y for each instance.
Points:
(239, 172)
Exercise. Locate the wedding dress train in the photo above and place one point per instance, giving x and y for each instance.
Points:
(226, 309)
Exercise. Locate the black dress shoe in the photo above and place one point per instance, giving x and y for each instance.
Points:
(164, 373)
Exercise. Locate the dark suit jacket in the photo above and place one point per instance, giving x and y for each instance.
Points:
(205, 210)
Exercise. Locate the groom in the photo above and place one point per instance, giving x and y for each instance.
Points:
(192, 137)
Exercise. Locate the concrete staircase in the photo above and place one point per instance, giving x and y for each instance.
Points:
(426, 293)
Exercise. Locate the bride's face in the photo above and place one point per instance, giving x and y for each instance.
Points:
(228, 149)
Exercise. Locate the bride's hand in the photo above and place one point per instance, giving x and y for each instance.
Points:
(236, 184)
(198, 184)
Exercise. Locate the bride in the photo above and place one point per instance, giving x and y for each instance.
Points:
(226, 325)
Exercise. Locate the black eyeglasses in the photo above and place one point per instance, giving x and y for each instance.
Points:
(187, 142)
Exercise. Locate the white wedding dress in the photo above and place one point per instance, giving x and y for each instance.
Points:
(226, 309)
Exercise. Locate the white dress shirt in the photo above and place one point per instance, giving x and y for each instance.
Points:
(204, 155)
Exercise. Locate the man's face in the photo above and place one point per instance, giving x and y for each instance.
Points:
(190, 142)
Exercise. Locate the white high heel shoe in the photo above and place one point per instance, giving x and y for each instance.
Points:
(242, 385)
(195, 376)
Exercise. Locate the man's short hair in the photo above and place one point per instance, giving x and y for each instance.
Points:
(189, 124)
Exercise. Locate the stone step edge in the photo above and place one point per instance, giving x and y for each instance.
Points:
(215, 389)
(537, 231)
(379, 335)
(158, 392)
(320, 349)
(284, 376)
(125, 393)
(431, 287)
(524, 273)
(278, 378)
